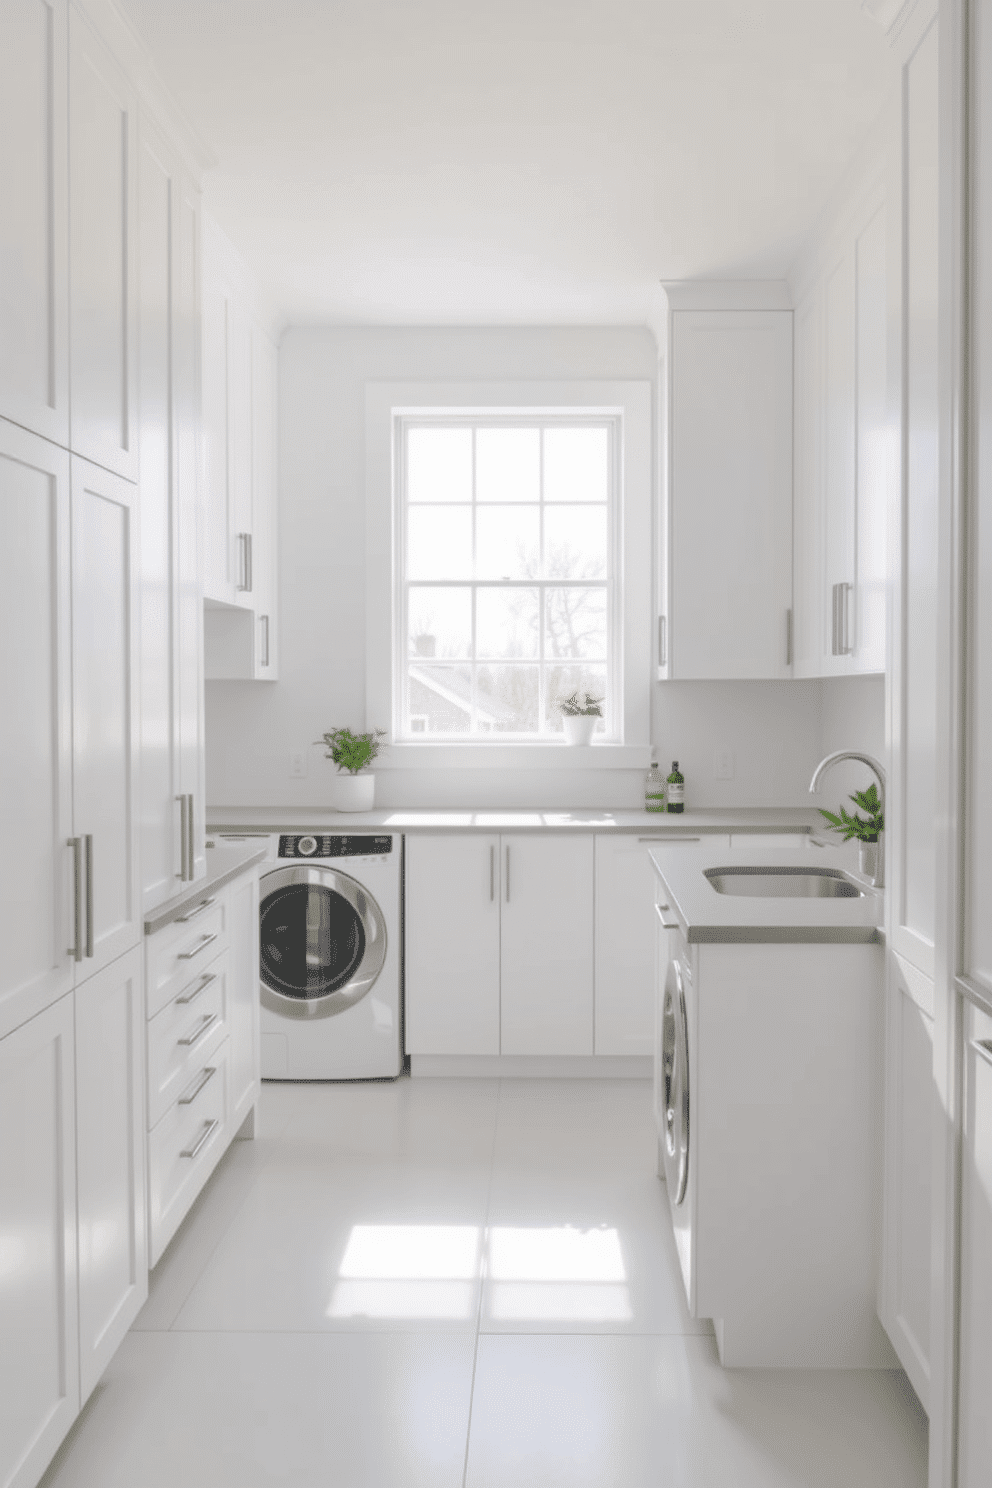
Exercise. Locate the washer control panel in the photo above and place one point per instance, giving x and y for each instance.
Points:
(311, 845)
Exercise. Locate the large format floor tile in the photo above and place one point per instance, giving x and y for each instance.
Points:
(559, 1412)
(301, 1411)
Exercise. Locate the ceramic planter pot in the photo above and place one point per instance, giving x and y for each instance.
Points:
(868, 859)
(354, 792)
(579, 727)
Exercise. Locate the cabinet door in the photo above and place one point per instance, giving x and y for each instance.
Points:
(837, 586)
(219, 576)
(909, 1110)
(110, 1161)
(625, 945)
(103, 242)
(36, 892)
(243, 1000)
(452, 945)
(240, 376)
(546, 945)
(188, 575)
(104, 704)
(868, 633)
(807, 565)
(731, 493)
(39, 1360)
(264, 500)
(974, 1419)
(34, 282)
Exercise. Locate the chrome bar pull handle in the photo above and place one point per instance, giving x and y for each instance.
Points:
(205, 1134)
(492, 873)
(201, 945)
(88, 854)
(244, 571)
(508, 875)
(662, 640)
(183, 847)
(203, 1078)
(201, 986)
(264, 622)
(665, 924)
(76, 949)
(207, 1021)
(788, 637)
(190, 841)
(191, 914)
(251, 562)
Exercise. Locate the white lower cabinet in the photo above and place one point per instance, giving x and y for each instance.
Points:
(499, 939)
(904, 1292)
(201, 972)
(39, 1321)
(110, 1161)
(975, 1359)
(625, 896)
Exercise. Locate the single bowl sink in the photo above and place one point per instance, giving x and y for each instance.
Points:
(783, 883)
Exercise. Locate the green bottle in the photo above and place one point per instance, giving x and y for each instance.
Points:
(654, 789)
(676, 789)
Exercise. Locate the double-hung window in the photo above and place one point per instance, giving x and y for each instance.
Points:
(508, 573)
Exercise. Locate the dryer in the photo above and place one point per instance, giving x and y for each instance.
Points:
(330, 957)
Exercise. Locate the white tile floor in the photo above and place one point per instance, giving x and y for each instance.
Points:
(457, 1283)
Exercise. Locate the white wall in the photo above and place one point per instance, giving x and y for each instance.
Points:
(774, 729)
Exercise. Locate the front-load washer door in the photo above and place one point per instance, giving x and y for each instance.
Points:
(675, 1084)
(322, 941)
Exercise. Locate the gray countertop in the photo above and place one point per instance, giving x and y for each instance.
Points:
(225, 862)
(704, 915)
(258, 819)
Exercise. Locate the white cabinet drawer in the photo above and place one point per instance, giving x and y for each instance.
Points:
(177, 954)
(184, 1034)
(185, 1147)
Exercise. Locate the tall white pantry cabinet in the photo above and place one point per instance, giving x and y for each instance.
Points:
(101, 604)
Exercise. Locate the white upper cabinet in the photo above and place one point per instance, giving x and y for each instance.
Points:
(171, 621)
(34, 265)
(728, 480)
(842, 448)
(102, 254)
(265, 373)
(36, 890)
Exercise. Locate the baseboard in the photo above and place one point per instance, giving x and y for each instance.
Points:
(534, 1066)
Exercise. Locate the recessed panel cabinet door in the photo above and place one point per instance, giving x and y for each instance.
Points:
(34, 265)
(452, 945)
(625, 946)
(36, 889)
(110, 1158)
(243, 1002)
(102, 254)
(547, 945)
(39, 1356)
(105, 713)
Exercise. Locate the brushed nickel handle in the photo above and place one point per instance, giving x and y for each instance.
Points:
(788, 637)
(672, 837)
(188, 1040)
(88, 855)
(665, 924)
(244, 563)
(192, 1091)
(264, 622)
(492, 873)
(251, 564)
(662, 640)
(203, 904)
(76, 949)
(205, 1134)
(201, 945)
(190, 841)
(507, 875)
(201, 986)
(183, 844)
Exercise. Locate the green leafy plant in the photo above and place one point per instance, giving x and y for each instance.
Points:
(351, 752)
(589, 707)
(865, 829)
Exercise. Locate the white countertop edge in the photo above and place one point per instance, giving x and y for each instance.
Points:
(270, 820)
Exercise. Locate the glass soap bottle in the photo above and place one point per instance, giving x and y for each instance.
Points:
(676, 789)
(654, 789)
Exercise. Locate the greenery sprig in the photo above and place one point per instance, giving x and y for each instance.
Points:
(351, 752)
(588, 707)
(865, 829)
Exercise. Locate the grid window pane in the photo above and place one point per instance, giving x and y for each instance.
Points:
(508, 465)
(507, 542)
(439, 623)
(575, 543)
(576, 465)
(507, 623)
(507, 699)
(439, 465)
(439, 542)
(440, 698)
(575, 624)
(563, 681)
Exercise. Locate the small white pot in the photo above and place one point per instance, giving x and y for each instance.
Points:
(354, 792)
(868, 861)
(579, 727)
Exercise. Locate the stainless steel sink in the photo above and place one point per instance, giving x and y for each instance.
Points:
(783, 883)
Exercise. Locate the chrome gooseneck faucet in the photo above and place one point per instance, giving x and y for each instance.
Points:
(878, 881)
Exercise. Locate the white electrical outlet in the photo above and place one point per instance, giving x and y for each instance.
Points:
(297, 764)
(723, 764)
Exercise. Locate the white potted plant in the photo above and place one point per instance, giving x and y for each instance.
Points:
(578, 717)
(867, 829)
(354, 786)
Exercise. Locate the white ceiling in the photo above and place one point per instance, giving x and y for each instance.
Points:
(515, 161)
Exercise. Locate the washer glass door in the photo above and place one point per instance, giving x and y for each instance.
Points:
(675, 1084)
(323, 941)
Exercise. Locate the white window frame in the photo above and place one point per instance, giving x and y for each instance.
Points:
(629, 403)
(612, 582)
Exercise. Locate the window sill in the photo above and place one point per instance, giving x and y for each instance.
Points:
(466, 756)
